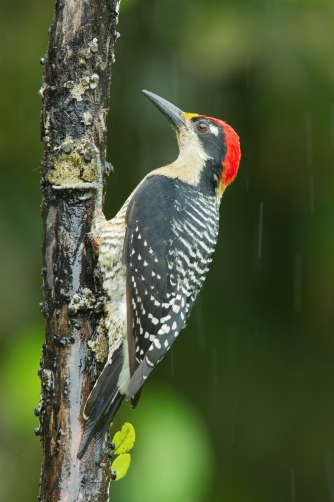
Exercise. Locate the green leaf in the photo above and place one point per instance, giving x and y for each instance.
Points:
(120, 466)
(124, 439)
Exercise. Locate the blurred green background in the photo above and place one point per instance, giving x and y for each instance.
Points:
(242, 408)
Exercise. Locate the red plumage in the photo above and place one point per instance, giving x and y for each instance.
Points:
(233, 153)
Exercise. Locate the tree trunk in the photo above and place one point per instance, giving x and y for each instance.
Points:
(75, 92)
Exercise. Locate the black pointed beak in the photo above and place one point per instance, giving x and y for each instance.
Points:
(174, 114)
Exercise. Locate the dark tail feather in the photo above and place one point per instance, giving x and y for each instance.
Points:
(100, 433)
(137, 381)
(106, 384)
(103, 402)
(135, 399)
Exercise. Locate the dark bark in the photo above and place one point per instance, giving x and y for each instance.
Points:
(75, 92)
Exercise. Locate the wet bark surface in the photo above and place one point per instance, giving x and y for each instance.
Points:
(75, 93)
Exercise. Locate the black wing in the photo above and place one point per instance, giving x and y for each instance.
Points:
(163, 271)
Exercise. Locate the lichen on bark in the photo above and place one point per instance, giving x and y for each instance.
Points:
(74, 164)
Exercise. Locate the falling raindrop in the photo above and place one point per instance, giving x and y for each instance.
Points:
(292, 478)
(332, 124)
(175, 77)
(297, 283)
(329, 296)
(311, 194)
(329, 463)
(273, 17)
(217, 103)
(309, 149)
(214, 367)
(144, 151)
(259, 248)
(172, 362)
(247, 72)
(157, 9)
(200, 322)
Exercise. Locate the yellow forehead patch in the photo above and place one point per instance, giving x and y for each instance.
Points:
(189, 116)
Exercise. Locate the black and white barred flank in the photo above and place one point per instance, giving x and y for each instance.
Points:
(172, 230)
(165, 235)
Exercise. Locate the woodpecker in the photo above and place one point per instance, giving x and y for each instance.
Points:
(154, 256)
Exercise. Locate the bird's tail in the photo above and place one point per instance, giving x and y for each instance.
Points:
(102, 405)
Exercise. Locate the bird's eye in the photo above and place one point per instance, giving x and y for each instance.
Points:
(202, 127)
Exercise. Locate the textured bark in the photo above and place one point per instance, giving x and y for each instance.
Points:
(75, 92)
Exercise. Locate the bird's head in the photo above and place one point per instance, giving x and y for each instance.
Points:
(209, 148)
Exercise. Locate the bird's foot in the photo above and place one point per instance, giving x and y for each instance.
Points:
(111, 449)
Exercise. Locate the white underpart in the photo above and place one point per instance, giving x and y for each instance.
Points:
(110, 235)
(191, 149)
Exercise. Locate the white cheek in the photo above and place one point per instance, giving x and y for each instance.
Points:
(214, 130)
(191, 150)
